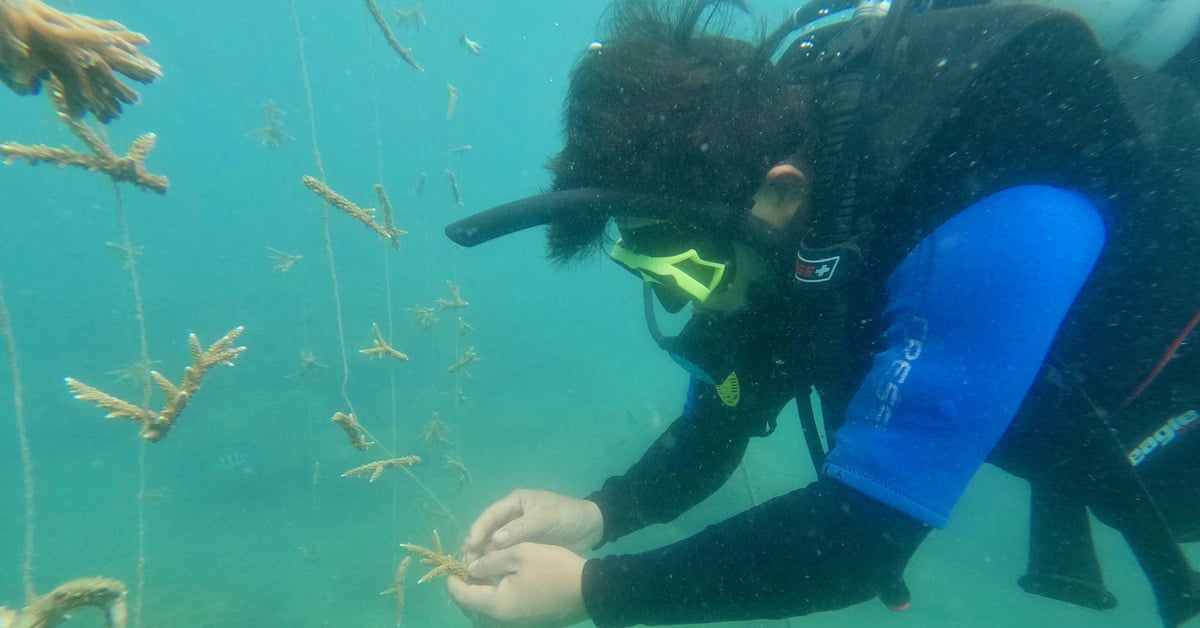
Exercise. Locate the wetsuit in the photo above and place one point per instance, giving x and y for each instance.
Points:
(963, 344)
(993, 222)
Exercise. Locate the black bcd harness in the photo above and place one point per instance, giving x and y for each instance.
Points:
(837, 277)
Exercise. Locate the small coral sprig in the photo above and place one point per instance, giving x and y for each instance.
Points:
(468, 356)
(389, 224)
(397, 588)
(456, 303)
(376, 468)
(354, 431)
(381, 348)
(443, 564)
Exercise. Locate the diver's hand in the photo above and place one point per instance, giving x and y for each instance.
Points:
(530, 585)
(535, 516)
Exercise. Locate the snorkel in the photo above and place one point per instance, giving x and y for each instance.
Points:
(563, 205)
(549, 207)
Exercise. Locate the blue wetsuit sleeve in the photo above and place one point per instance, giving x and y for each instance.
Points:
(971, 314)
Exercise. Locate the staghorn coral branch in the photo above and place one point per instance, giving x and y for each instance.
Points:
(405, 53)
(84, 132)
(354, 431)
(39, 43)
(388, 224)
(365, 216)
(456, 463)
(105, 594)
(156, 424)
(457, 303)
(397, 588)
(118, 408)
(423, 316)
(471, 45)
(130, 168)
(455, 191)
(165, 385)
(283, 261)
(377, 468)
(442, 563)
(468, 356)
(218, 353)
(271, 134)
(414, 15)
(381, 347)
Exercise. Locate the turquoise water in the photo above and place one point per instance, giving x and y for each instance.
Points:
(246, 522)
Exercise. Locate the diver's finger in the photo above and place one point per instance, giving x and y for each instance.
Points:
(497, 564)
(492, 518)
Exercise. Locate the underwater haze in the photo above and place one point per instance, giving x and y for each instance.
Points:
(240, 518)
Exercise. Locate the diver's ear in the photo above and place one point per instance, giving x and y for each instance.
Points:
(782, 196)
(785, 174)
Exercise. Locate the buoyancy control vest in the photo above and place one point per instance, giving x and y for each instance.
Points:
(972, 101)
(959, 104)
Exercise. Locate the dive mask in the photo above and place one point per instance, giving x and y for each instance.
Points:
(678, 263)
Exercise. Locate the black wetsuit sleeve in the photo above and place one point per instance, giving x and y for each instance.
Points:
(819, 548)
(691, 460)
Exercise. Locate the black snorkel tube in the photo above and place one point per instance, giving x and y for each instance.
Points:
(562, 205)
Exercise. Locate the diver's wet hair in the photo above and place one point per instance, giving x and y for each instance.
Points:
(670, 105)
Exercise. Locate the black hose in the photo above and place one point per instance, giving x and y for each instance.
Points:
(545, 208)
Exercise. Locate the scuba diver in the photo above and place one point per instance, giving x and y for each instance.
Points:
(966, 228)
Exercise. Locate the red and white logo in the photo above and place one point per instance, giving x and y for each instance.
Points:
(816, 270)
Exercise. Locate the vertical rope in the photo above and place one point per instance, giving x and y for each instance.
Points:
(333, 276)
(333, 271)
(23, 440)
(141, 536)
(144, 355)
(372, 71)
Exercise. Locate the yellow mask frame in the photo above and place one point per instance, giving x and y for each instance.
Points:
(687, 271)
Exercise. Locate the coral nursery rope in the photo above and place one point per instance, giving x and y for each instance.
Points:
(144, 349)
(312, 120)
(312, 129)
(23, 439)
(387, 281)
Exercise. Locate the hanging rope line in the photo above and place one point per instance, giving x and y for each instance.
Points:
(329, 253)
(130, 259)
(333, 276)
(23, 440)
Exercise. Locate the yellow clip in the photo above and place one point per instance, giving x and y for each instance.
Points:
(730, 390)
